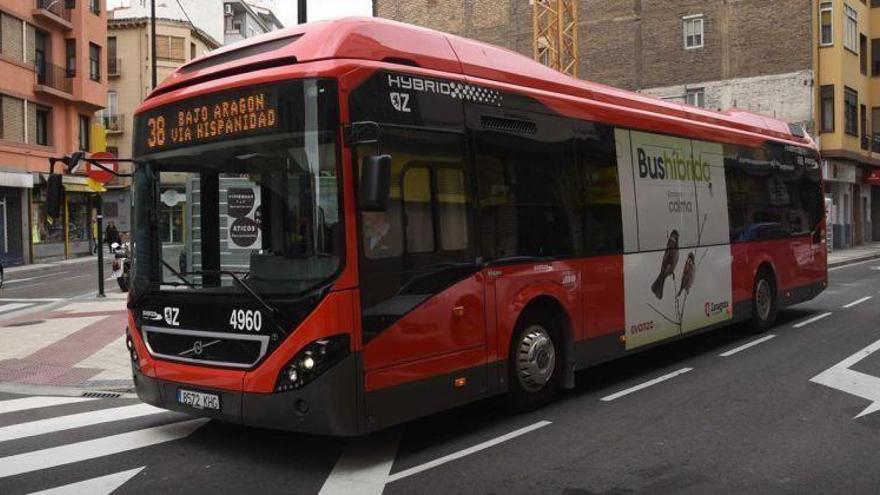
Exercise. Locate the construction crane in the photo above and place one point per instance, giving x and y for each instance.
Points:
(555, 37)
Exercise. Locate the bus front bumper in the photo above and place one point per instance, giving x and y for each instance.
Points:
(326, 406)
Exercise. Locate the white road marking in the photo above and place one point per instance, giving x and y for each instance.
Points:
(43, 426)
(466, 452)
(25, 299)
(746, 346)
(103, 485)
(13, 306)
(647, 384)
(857, 301)
(92, 449)
(841, 377)
(15, 405)
(12, 281)
(364, 466)
(811, 320)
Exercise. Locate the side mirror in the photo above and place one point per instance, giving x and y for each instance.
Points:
(54, 195)
(375, 182)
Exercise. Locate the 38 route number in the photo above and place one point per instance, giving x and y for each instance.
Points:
(157, 132)
(246, 319)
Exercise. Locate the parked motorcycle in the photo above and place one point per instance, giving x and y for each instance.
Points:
(121, 264)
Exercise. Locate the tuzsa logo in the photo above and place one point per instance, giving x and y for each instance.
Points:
(673, 167)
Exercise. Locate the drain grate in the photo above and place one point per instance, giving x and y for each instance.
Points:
(24, 323)
(101, 395)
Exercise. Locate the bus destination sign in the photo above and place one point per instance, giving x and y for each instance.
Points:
(208, 119)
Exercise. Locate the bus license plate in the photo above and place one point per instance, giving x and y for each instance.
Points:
(198, 400)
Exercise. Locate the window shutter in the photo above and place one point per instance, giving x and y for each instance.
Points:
(177, 48)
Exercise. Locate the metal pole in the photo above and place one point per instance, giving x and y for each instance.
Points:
(301, 12)
(99, 217)
(153, 41)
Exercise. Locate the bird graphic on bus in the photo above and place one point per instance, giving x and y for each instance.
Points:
(687, 275)
(667, 267)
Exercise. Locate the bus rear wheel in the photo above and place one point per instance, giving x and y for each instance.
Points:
(764, 305)
(534, 365)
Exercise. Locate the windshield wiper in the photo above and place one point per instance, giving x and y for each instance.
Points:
(178, 274)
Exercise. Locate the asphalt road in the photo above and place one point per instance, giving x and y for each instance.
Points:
(32, 289)
(724, 412)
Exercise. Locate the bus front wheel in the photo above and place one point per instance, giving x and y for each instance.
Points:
(534, 364)
(764, 304)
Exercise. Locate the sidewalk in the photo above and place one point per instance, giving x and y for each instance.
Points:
(74, 343)
(849, 256)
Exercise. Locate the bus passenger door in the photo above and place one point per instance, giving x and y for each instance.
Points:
(421, 293)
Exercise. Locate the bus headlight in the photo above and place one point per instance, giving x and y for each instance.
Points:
(313, 360)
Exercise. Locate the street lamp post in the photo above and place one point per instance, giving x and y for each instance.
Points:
(153, 40)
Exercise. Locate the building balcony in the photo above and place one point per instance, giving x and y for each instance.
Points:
(114, 67)
(875, 143)
(113, 124)
(53, 12)
(53, 80)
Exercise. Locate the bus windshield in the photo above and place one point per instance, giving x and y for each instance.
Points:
(257, 211)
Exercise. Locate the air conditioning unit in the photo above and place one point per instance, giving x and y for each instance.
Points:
(227, 9)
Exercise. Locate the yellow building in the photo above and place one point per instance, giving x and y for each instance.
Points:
(130, 81)
(847, 66)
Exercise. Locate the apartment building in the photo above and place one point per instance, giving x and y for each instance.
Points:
(243, 19)
(54, 79)
(129, 61)
(847, 46)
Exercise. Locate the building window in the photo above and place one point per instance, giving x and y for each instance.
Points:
(112, 61)
(863, 121)
(170, 48)
(851, 111)
(875, 141)
(863, 54)
(192, 51)
(42, 136)
(85, 132)
(851, 31)
(693, 31)
(94, 62)
(696, 97)
(95, 7)
(875, 56)
(827, 109)
(826, 24)
(70, 51)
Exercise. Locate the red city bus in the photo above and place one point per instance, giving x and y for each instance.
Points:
(345, 225)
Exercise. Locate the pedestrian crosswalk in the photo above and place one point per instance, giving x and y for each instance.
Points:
(32, 428)
(10, 306)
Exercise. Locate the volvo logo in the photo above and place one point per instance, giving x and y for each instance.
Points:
(197, 348)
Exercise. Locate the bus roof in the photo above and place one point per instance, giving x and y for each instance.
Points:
(382, 40)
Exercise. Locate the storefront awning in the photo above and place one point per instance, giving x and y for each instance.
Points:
(82, 185)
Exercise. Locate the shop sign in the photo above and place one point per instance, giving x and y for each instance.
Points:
(872, 177)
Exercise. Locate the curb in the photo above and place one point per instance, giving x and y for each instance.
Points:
(39, 267)
(853, 261)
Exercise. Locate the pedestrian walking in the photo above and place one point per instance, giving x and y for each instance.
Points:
(112, 235)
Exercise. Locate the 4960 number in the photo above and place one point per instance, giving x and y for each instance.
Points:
(246, 319)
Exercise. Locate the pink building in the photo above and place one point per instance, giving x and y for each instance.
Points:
(53, 78)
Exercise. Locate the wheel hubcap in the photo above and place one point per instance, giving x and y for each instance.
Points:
(763, 302)
(535, 358)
